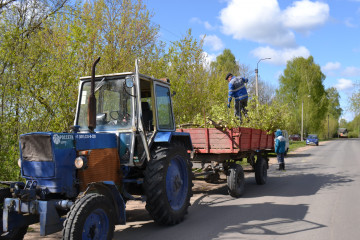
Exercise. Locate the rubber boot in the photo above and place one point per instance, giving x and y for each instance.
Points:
(280, 167)
(283, 166)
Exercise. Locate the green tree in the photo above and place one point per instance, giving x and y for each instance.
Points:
(334, 102)
(188, 78)
(354, 127)
(43, 51)
(225, 63)
(21, 102)
(302, 85)
(334, 111)
(355, 100)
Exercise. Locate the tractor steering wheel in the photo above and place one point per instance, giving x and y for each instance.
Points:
(119, 119)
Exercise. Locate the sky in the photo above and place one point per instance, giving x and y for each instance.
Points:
(277, 29)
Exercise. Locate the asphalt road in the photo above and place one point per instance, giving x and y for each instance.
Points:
(317, 197)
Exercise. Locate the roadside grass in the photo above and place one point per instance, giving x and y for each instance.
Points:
(296, 144)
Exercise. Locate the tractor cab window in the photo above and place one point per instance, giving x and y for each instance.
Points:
(163, 108)
(113, 105)
(146, 105)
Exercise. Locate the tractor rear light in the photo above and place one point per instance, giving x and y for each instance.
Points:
(81, 162)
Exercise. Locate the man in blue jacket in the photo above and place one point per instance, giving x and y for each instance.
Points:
(280, 143)
(237, 90)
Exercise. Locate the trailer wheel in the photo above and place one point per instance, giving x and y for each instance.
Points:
(261, 171)
(91, 217)
(236, 181)
(18, 233)
(168, 183)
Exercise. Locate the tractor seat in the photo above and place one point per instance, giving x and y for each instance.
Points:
(147, 116)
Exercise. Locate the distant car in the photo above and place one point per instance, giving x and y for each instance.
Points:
(295, 137)
(312, 139)
(343, 133)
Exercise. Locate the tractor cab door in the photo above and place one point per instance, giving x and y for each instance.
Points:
(164, 113)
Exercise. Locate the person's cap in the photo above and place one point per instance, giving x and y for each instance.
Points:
(228, 75)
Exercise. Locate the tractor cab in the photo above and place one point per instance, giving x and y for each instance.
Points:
(137, 108)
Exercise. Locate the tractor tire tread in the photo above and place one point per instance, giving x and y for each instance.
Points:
(80, 207)
(157, 204)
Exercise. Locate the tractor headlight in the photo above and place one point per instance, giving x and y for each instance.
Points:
(19, 162)
(81, 162)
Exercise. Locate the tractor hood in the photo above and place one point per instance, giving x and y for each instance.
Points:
(48, 158)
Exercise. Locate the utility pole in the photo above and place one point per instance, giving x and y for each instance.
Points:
(302, 120)
(328, 128)
(257, 73)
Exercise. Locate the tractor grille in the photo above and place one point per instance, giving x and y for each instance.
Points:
(103, 165)
(36, 147)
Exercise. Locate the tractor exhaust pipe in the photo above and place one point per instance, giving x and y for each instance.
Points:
(92, 100)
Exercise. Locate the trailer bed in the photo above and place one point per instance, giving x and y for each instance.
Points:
(233, 141)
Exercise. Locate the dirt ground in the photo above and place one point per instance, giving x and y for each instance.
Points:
(136, 209)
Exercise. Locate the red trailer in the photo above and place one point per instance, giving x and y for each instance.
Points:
(220, 150)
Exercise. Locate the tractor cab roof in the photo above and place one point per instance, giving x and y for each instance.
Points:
(116, 75)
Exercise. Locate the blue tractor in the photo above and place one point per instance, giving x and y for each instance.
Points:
(123, 146)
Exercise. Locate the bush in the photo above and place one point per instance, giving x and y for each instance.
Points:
(353, 134)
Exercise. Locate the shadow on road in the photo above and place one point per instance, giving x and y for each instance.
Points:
(295, 185)
(209, 219)
(260, 219)
(217, 215)
(298, 155)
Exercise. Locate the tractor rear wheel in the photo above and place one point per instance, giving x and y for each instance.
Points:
(236, 181)
(168, 183)
(91, 217)
(17, 233)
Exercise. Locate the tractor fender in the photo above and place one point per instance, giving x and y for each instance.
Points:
(109, 189)
(170, 137)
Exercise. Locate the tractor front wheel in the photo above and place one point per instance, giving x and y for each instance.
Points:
(91, 217)
(168, 183)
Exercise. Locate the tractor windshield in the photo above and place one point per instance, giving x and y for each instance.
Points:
(113, 105)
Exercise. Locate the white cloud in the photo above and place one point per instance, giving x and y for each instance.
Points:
(280, 57)
(208, 59)
(351, 72)
(263, 21)
(305, 15)
(331, 66)
(256, 20)
(206, 24)
(349, 24)
(344, 84)
(211, 57)
(213, 41)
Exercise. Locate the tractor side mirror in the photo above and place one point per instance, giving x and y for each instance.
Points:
(129, 82)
